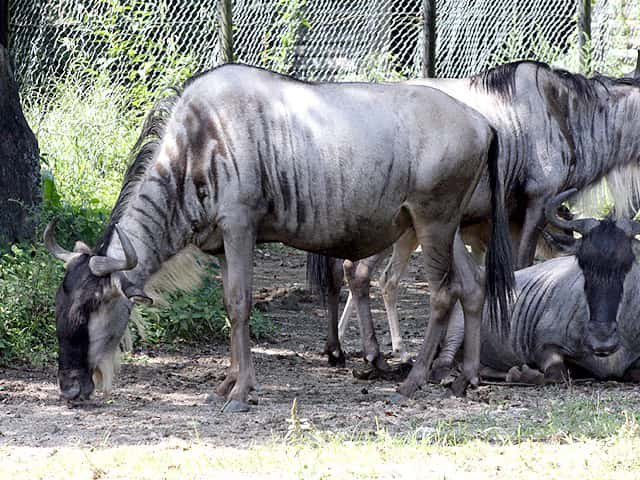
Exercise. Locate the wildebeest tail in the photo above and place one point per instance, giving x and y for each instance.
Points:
(500, 278)
(319, 274)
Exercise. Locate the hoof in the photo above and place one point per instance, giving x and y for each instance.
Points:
(439, 374)
(235, 406)
(556, 373)
(213, 398)
(459, 386)
(398, 399)
(338, 361)
(402, 372)
(366, 373)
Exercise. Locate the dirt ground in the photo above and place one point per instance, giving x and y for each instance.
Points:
(160, 395)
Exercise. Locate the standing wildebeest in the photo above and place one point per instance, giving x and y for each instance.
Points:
(252, 156)
(580, 310)
(557, 130)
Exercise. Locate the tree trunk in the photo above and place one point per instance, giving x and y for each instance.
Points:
(19, 165)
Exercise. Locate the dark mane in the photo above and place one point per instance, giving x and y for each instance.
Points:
(141, 156)
(501, 80)
(633, 82)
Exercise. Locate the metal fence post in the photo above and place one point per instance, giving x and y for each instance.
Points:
(429, 36)
(584, 35)
(225, 22)
(4, 23)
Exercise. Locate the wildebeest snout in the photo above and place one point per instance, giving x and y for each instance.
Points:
(603, 338)
(75, 384)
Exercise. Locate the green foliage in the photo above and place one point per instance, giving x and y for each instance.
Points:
(283, 35)
(124, 47)
(378, 67)
(196, 316)
(85, 135)
(29, 277)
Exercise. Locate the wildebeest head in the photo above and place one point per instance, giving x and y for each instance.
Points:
(605, 254)
(92, 310)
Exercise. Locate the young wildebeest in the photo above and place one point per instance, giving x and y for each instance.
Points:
(251, 156)
(556, 130)
(580, 310)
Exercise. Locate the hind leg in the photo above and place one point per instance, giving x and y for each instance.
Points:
(445, 363)
(332, 348)
(436, 240)
(389, 281)
(358, 277)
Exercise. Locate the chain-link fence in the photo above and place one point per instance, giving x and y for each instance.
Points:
(137, 42)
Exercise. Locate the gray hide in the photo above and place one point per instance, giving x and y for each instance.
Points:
(557, 130)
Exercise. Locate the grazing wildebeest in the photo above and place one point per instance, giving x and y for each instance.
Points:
(581, 310)
(557, 130)
(250, 156)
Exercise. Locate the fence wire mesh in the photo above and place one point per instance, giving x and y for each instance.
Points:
(147, 42)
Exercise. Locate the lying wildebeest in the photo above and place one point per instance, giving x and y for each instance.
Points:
(250, 156)
(557, 130)
(581, 310)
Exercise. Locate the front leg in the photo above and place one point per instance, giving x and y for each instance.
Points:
(471, 279)
(534, 222)
(237, 272)
(551, 361)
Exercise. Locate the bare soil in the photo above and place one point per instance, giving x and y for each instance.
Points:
(169, 394)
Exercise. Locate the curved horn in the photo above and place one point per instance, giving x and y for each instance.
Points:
(101, 266)
(630, 227)
(52, 245)
(636, 72)
(582, 226)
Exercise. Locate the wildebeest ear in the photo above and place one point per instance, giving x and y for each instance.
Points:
(81, 247)
(137, 295)
(561, 242)
(636, 72)
(130, 290)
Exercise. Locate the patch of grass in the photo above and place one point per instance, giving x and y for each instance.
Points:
(197, 316)
(565, 417)
(309, 454)
(85, 134)
(28, 279)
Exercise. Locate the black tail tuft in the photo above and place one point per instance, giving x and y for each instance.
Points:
(500, 279)
(319, 274)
